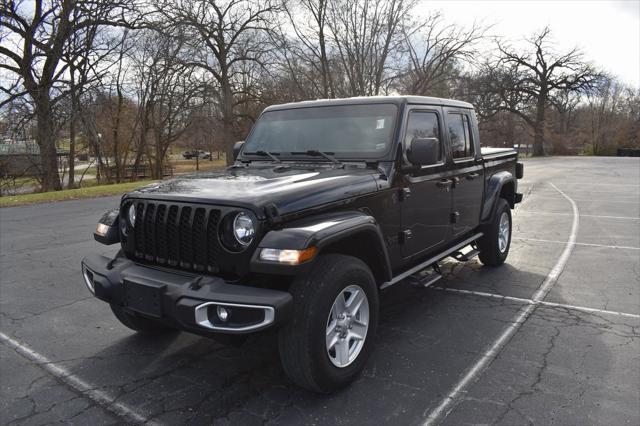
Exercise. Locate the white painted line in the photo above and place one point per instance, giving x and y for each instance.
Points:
(591, 310)
(88, 390)
(539, 302)
(588, 191)
(606, 200)
(577, 244)
(599, 184)
(519, 212)
(448, 403)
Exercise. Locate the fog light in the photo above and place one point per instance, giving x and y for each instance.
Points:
(223, 314)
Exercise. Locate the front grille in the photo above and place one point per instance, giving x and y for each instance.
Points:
(176, 235)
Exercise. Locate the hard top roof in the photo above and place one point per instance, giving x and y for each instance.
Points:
(419, 100)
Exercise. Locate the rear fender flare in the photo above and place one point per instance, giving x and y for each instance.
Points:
(492, 192)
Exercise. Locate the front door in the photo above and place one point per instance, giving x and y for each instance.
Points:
(469, 180)
(426, 203)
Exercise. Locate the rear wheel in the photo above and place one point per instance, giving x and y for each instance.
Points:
(496, 241)
(326, 344)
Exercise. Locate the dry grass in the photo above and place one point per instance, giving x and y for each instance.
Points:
(189, 166)
(89, 191)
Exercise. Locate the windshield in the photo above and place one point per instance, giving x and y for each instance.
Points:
(348, 131)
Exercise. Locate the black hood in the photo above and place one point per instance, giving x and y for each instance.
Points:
(290, 189)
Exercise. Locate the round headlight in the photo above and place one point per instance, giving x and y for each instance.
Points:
(132, 215)
(243, 229)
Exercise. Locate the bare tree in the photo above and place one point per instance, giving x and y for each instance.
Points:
(434, 51)
(604, 115)
(308, 55)
(166, 92)
(34, 39)
(366, 35)
(225, 36)
(86, 56)
(528, 82)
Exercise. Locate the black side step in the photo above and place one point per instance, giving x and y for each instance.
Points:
(425, 278)
(465, 257)
(430, 261)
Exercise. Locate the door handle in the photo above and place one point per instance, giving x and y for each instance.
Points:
(445, 184)
(472, 176)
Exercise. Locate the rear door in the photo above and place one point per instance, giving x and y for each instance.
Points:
(426, 204)
(468, 176)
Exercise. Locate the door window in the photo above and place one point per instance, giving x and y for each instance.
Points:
(460, 136)
(423, 124)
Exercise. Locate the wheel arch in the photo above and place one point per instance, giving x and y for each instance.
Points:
(499, 185)
(366, 245)
(352, 233)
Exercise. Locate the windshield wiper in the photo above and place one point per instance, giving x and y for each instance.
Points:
(316, 153)
(266, 154)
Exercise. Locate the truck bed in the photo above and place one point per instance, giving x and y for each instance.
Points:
(496, 152)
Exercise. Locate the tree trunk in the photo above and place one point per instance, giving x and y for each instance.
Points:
(116, 135)
(159, 159)
(72, 152)
(46, 140)
(538, 139)
(227, 117)
(327, 80)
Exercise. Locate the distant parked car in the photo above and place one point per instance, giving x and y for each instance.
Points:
(203, 155)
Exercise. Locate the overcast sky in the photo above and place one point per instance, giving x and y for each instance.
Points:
(607, 31)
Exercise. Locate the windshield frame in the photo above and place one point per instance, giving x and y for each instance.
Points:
(287, 156)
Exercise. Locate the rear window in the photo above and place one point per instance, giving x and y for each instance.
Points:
(460, 136)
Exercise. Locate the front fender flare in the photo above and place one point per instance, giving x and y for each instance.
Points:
(320, 231)
(107, 231)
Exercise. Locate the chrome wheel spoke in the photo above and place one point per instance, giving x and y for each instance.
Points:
(358, 330)
(342, 351)
(340, 305)
(355, 301)
(331, 324)
(332, 339)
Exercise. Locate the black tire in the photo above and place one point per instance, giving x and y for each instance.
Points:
(302, 342)
(490, 253)
(138, 323)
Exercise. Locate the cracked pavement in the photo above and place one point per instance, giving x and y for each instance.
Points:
(562, 366)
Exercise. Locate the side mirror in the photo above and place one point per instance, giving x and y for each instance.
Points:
(424, 151)
(237, 147)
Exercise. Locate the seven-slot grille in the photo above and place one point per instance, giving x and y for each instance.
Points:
(184, 236)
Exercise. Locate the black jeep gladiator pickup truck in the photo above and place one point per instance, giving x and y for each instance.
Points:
(328, 203)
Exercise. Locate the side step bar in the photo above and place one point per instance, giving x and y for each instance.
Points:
(424, 280)
(465, 257)
(430, 261)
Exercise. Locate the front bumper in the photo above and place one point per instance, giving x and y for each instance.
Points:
(186, 301)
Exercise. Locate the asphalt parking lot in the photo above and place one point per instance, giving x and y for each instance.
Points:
(552, 337)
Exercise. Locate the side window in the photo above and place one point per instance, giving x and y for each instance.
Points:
(423, 124)
(460, 136)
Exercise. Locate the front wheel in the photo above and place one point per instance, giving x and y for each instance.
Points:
(494, 244)
(327, 342)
